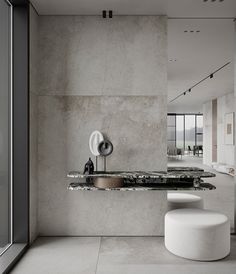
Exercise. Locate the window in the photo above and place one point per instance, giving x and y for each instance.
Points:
(14, 163)
(180, 131)
(171, 138)
(189, 131)
(5, 126)
(185, 131)
(199, 130)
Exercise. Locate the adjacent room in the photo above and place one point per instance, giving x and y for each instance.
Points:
(201, 103)
(117, 136)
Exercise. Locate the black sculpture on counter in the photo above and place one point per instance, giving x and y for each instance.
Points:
(89, 167)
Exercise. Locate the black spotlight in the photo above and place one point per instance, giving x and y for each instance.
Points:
(184, 93)
(110, 14)
(104, 14)
(189, 90)
(211, 76)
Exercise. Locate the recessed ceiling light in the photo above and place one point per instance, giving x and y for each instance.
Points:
(191, 31)
(213, 1)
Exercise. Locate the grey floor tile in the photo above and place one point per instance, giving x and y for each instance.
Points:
(136, 250)
(60, 255)
(114, 255)
(165, 269)
(147, 255)
(222, 198)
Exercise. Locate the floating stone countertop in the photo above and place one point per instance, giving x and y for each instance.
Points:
(172, 173)
(176, 178)
(139, 187)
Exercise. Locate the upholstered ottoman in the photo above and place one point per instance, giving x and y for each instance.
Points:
(197, 234)
(183, 200)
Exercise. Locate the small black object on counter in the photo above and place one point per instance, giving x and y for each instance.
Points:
(89, 167)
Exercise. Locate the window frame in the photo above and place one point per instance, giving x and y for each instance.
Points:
(20, 135)
(184, 115)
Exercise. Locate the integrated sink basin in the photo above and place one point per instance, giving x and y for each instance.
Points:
(108, 182)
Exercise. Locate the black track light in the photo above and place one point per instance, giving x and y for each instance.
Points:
(104, 14)
(199, 82)
(110, 14)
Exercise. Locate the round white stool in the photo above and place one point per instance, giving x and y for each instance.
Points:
(197, 234)
(183, 200)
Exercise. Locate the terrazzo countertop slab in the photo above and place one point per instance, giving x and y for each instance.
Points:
(181, 168)
(138, 187)
(172, 173)
(176, 178)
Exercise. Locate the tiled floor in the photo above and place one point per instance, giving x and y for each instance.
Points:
(222, 198)
(114, 255)
(131, 255)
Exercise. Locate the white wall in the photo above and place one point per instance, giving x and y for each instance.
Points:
(109, 75)
(225, 153)
(207, 133)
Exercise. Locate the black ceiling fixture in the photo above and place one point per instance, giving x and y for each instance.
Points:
(213, 1)
(198, 83)
(104, 14)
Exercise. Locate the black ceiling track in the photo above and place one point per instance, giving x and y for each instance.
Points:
(210, 76)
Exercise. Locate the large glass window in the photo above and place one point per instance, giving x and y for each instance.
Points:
(185, 131)
(14, 132)
(171, 131)
(189, 131)
(199, 130)
(180, 131)
(5, 125)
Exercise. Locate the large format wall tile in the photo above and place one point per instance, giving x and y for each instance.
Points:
(88, 55)
(137, 127)
(85, 56)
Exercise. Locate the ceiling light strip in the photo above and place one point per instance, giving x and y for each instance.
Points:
(198, 83)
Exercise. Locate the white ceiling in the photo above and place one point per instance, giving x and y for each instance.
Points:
(197, 54)
(172, 8)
